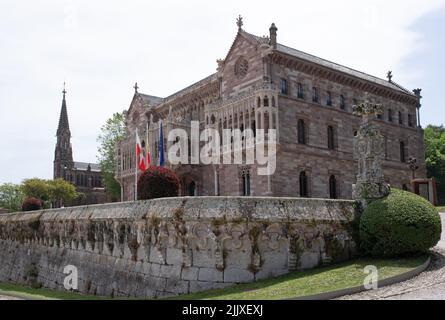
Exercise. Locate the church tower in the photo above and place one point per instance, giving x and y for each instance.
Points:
(63, 156)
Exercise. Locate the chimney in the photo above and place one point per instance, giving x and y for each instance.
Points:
(273, 35)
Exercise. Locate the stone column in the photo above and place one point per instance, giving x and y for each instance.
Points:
(369, 150)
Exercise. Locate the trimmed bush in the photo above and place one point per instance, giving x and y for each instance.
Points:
(400, 224)
(31, 204)
(157, 182)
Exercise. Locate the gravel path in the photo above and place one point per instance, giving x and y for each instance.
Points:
(8, 298)
(429, 285)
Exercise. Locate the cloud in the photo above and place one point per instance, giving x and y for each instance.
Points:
(100, 48)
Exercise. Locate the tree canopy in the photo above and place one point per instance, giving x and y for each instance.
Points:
(435, 157)
(11, 196)
(111, 133)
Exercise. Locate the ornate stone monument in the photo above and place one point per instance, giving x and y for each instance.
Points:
(369, 150)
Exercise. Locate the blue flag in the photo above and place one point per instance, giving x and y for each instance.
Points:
(161, 146)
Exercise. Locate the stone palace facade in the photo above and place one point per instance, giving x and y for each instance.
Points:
(263, 84)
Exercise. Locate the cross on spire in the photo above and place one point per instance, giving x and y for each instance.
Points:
(136, 87)
(389, 76)
(64, 91)
(239, 22)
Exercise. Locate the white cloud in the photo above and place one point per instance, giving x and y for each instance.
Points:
(102, 47)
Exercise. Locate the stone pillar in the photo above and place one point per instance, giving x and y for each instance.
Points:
(369, 150)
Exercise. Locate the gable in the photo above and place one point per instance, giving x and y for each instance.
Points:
(243, 64)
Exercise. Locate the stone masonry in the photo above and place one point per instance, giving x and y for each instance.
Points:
(172, 246)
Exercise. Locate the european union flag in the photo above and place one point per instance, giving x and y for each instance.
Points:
(161, 146)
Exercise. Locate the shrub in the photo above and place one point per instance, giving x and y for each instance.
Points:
(157, 182)
(31, 204)
(400, 224)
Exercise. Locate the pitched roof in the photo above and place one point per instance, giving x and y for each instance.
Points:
(84, 166)
(63, 119)
(328, 64)
(151, 100)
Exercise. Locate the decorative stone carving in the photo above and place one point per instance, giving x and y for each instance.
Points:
(369, 150)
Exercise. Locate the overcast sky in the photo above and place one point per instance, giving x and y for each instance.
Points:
(101, 48)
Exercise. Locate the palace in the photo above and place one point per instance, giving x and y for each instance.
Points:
(262, 84)
(86, 177)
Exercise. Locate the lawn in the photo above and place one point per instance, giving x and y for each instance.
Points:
(300, 283)
(304, 283)
(441, 208)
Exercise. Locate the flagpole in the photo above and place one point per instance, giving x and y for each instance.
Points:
(135, 167)
(147, 145)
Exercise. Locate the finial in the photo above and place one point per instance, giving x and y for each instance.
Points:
(64, 91)
(389, 76)
(417, 92)
(136, 87)
(239, 22)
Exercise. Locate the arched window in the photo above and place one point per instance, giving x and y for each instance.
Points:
(315, 95)
(402, 152)
(342, 102)
(266, 101)
(329, 98)
(389, 115)
(301, 128)
(300, 92)
(191, 189)
(273, 101)
(303, 185)
(283, 86)
(258, 103)
(332, 187)
(331, 138)
(245, 177)
(400, 118)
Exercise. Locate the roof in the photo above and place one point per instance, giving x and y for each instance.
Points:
(151, 100)
(63, 119)
(84, 166)
(328, 64)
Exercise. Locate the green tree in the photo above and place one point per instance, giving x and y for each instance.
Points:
(37, 188)
(11, 196)
(435, 157)
(110, 134)
(61, 191)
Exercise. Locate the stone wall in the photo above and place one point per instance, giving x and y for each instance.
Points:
(174, 246)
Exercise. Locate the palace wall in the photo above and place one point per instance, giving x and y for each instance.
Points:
(173, 246)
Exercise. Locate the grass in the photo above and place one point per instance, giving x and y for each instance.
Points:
(28, 293)
(300, 283)
(441, 208)
(304, 283)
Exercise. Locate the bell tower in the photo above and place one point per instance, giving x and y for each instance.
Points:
(63, 155)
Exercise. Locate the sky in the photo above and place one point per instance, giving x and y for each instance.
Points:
(101, 48)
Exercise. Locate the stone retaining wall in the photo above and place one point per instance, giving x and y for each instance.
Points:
(174, 246)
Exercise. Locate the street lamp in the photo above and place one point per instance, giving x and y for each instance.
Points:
(412, 163)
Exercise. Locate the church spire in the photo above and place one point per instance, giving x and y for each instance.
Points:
(63, 119)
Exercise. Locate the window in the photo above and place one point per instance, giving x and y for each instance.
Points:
(303, 185)
(404, 187)
(342, 102)
(390, 115)
(266, 101)
(410, 120)
(402, 152)
(332, 187)
(329, 98)
(301, 128)
(400, 118)
(300, 91)
(331, 138)
(246, 183)
(283, 86)
(315, 97)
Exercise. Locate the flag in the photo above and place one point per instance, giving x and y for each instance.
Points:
(140, 154)
(161, 146)
(148, 156)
